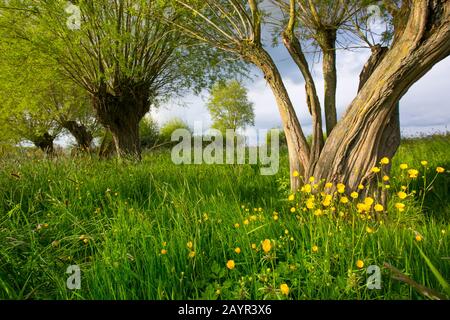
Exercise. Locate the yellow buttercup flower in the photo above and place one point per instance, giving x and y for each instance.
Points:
(361, 187)
(315, 249)
(310, 203)
(231, 264)
(400, 206)
(354, 195)
(190, 244)
(312, 179)
(340, 188)
(386, 178)
(237, 250)
(369, 201)
(402, 195)
(413, 173)
(307, 188)
(253, 245)
(384, 161)
(360, 264)
(291, 197)
(284, 288)
(266, 245)
(376, 170)
(295, 174)
(163, 251)
(236, 225)
(403, 166)
(378, 208)
(328, 185)
(192, 254)
(419, 238)
(275, 217)
(254, 218)
(318, 213)
(293, 209)
(246, 222)
(424, 163)
(344, 200)
(369, 230)
(440, 170)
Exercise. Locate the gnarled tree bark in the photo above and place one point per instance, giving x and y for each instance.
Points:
(80, 133)
(45, 143)
(358, 141)
(121, 114)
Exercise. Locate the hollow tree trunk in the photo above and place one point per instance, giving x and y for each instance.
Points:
(121, 115)
(45, 143)
(80, 133)
(358, 141)
(296, 141)
(328, 45)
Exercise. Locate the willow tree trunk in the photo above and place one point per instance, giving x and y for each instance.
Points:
(328, 45)
(293, 45)
(80, 133)
(297, 145)
(359, 140)
(121, 115)
(45, 143)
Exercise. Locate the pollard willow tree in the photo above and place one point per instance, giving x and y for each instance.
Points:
(122, 52)
(367, 131)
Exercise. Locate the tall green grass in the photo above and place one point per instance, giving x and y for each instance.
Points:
(128, 227)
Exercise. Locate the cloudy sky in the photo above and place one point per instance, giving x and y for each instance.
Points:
(424, 109)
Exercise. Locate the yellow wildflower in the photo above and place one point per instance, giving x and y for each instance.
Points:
(369, 201)
(190, 244)
(419, 238)
(237, 250)
(402, 195)
(344, 200)
(340, 188)
(413, 173)
(424, 163)
(386, 178)
(163, 251)
(354, 195)
(284, 288)
(295, 174)
(291, 197)
(293, 209)
(315, 249)
(361, 187)
(369, 230)
(328, 185)
(192, 254)
(360, 264)
(231, 264)
(384, 161)
(379, 208)
(440, 170)
(376, 170)
(403, 166)
(266, 245)
(400, 206)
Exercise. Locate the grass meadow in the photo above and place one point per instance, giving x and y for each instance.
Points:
(155, 230)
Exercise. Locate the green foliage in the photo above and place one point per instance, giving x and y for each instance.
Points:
(148, 132)
(114, 220)
(229, 106)
(170, 126)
